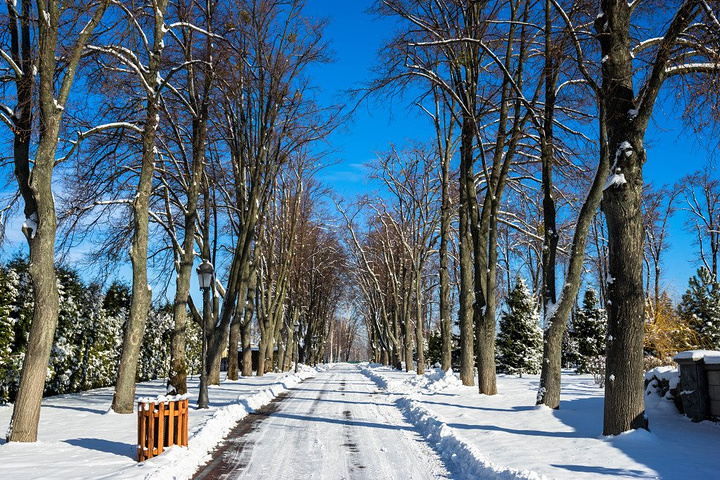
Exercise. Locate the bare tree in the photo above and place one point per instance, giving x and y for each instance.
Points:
(677, 47)
(658, 208)
(414, 216)
(701, 191)
(54, 57)
(124, 398)
(268, 113)
(200, 77)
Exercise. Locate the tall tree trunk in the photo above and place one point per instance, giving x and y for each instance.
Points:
(234, 339)
(236, 327)
(550, 239)
(124, 397)
(247, 324)
(419, 337)
(36, 189)
(466, 297)
(406, 294)
(553, 332)
(177, 377)
(445, 318)
(627, 118)
(624, 400)
(486, 317)
(237, 288)
(178, 364)
(26, 410)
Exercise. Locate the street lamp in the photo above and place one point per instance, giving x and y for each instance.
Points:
(205, 272)
(296, 327)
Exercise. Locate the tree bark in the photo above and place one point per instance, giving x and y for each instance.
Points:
(36, 189)
(466, 297)
(234, 340)
(419, 336)
(200, 101)
(445, 318)
(247, 324)
(124, 397)
(26, 410)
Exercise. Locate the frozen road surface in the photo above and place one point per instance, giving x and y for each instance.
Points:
(337, 425)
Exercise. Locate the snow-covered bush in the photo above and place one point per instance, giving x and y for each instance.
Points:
(596, 367)
(89, 335)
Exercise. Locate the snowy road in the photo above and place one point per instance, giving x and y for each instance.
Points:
(337, 425)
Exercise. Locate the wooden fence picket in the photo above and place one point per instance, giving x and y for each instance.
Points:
(161, 423)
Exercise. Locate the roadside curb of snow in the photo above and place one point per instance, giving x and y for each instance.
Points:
(459, 457)
(178, 463)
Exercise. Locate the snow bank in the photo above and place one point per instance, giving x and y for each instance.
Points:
(505, 436)
(80, 438)
(461, 458)
(179, 463)
(668, 374)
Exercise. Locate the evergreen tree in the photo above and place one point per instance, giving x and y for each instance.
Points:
(434, 350)
(18, 288)
(589, 330)
(700, 307)
(155, 350)
(7, 333)
(570, 353)
(519, 343)
(433, 353)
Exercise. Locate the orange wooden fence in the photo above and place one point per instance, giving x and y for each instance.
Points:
(161, 424)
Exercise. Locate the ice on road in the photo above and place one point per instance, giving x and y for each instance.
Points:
(337, 425)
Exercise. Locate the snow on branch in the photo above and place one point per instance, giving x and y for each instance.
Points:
(192, 27)
(18, 71)
(710, 13)
(700, 67)
(83, 135)
(127, 57)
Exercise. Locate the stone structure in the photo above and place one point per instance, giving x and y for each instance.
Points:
(700, 383)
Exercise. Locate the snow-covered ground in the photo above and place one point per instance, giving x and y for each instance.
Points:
(503, 437)
(79, 438)
(506, 436)
(338, 425)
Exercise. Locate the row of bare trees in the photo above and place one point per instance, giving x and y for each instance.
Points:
(194, 135)
(544, 107)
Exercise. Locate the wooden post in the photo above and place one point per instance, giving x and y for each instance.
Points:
(161, 427)
(171, 423)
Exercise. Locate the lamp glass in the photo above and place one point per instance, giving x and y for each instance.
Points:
(205, 273)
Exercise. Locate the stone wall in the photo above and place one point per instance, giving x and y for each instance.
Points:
(713, 376)
(700, 383)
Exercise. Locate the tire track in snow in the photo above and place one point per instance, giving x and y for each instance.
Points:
(227, 460)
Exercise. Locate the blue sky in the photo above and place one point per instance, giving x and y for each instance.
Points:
(355, 37)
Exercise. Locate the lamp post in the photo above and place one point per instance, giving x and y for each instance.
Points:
(296, 327)
(205, 272)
